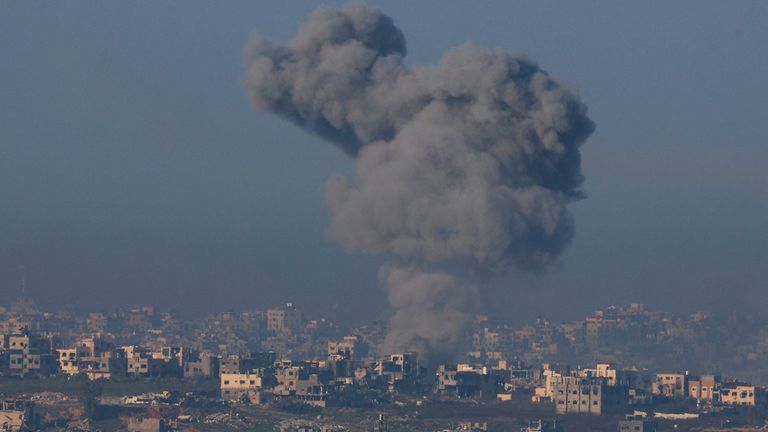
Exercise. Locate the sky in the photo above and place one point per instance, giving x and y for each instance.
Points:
(134, 170)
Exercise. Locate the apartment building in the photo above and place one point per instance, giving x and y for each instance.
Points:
(706, 387)
(236, 386)
(27, 353)
(574, 395)
(284, 320)
(738, 394)
(671, 385)
(350, 347)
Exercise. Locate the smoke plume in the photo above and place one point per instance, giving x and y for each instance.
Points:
(462, 169)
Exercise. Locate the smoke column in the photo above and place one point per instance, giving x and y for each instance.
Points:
(462, 170)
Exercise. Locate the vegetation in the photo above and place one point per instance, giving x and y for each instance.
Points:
(88, 394)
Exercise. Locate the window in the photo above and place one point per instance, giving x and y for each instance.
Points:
(226, 382)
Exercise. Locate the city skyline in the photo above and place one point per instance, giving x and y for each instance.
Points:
(134, 170)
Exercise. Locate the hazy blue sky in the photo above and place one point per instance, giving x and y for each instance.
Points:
(133, 169)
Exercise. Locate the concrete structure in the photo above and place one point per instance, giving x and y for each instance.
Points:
(671, 385)
(141, 363)
(284, 320)
(738, 394)
(14, 416)
(28, 354)
(400, 371)
(236, 386)
(574, 395)
(636, 425)
(351, 347)
(93, 358)
(201, 365)
(304, 381)
(542, 426)
(613, 376)
(706, 387)
(551, 376)
(243, 364)
(468, 381)
(146, 424)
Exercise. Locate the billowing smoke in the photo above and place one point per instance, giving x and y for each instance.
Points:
(463, 169)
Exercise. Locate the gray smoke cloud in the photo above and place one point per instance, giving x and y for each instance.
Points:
(462, 169)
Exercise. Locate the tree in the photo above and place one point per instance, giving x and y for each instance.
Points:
(87, 393)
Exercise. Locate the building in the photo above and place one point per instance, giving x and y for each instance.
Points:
(574, 395)
(401, 372)
(671, 385)
(551, 376)
(141, 363)
(201, 365)
(94, 358)
(706, 387)
(351, 347)
(636, 425)
(542, 426)
(304, 383)
(284, 320)
(237, 386)
(16, 416)
(243, 364)
(738, 394)
(613, 375)
(146, 424)
(28, 353)
(468, 381)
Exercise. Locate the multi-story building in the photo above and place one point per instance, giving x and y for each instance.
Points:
(201, 365)
(235, 386)
(350, 347)
(93, 358)
(242, 364)
(550, 375)
(468, 381)
(141, 363)
(706, 387)
(636, 425)
(613, 375)
(574, 395)
(284, 320)
(28, 353)
(738, 394)
(400, 371)
(671, 385)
